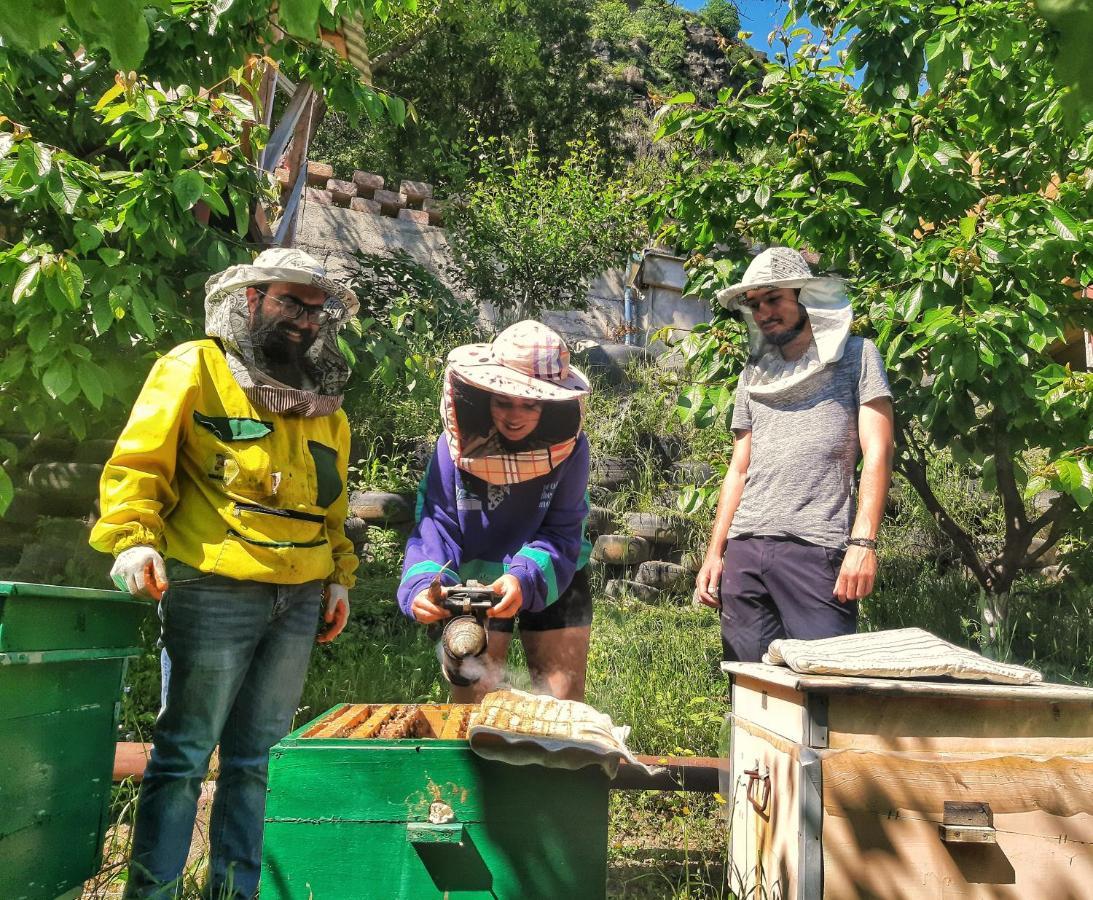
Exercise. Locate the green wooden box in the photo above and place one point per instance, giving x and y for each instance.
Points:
(63, 653)
(356, 816)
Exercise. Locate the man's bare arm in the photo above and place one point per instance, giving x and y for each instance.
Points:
(875, 432)
(708, 580)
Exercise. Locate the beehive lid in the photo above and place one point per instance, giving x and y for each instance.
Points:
(391, 721)
(906, 687)
(67, 622)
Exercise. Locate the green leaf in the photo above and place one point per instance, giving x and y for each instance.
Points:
(118, 26)
(71, 280)
(7, 490)
(300, 17)
(57, 378)
(762, 195)
(188, 187)
(88, 235)
(1068, 474)
(1063, 224)
(848, 177)
(141, 314)
(396, 109)
(965, 361)
(101, 314)
(26, 282)
(32, 26)
(89, 377)
(684, 97)
(967, 227)
(38, 155)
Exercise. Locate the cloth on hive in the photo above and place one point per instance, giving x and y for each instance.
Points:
(898, 653)
(526, 729)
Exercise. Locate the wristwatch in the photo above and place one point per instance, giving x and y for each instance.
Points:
(867, 543)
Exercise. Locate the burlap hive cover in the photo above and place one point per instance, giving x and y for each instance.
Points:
(899, 653)
(526, 729)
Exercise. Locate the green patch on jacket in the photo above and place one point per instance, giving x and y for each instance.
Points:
(228, 429)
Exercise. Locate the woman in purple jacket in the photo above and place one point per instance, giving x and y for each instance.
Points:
(504, 502)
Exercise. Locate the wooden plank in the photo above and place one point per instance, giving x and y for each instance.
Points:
(772, 706)
(961, 723)
(870, 856)
(435, 714)
(1055, 793)
(455, 726)
(834, 684)
(339, 721)
(373, 723)
(763, 841)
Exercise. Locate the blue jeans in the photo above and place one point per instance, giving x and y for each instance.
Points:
(238, 656)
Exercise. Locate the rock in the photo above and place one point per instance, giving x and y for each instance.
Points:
(633, 79)
(435, 209)
(665, 575)
(318, 196)
(318, 174)
(341, 191)
(620, 550)
(380, 507)
(283, 176)
(364, 205)
(416, 191)
(367, 183)
(390, 201)
(1049, 557)
(1042, 501)
(417, 216)
(654, 527)
(620, 589)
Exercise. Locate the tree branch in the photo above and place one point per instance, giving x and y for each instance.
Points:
(915, 472)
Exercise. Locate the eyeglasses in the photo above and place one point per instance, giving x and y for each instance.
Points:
(292, 308)
(753, 303)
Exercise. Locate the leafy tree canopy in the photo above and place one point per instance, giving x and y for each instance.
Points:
(949, 188)
(532, 232)
(102, 258)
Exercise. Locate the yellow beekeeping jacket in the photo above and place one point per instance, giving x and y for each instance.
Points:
(211, 480)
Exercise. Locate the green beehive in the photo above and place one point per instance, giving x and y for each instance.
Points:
(372, 801)
(63, 653)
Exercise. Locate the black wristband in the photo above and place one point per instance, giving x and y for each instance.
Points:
(867, 543)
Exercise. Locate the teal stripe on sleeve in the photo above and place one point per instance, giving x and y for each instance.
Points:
(427, 567)
(420, 505)
(542, 559)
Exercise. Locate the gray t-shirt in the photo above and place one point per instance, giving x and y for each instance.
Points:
(805, 449)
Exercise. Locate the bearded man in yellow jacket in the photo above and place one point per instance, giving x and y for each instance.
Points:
(225, 499)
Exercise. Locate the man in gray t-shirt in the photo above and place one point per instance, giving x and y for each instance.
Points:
(790, 555)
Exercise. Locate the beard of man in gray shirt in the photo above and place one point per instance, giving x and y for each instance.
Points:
(789, 556)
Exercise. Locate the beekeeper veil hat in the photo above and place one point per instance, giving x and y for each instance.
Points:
(823, 298)
(227, 318)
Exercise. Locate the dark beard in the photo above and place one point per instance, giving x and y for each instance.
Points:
(780, 340)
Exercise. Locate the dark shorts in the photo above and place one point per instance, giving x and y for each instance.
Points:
(572, 609)
(779, 588)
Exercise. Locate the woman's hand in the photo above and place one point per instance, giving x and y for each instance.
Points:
(512, 597)
(426, 608)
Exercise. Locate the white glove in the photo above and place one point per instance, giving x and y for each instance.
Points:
(335, 612)
(141, 571)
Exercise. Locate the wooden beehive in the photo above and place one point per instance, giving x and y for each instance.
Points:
(388, 801)
(859, 787)
(63, 656)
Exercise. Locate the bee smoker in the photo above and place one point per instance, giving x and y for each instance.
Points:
(465, 635)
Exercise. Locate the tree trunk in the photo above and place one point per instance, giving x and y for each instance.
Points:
(995, 629)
